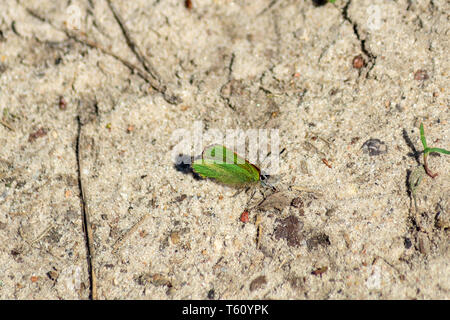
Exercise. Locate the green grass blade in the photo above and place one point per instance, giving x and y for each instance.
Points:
(422, 137)
(439, 150)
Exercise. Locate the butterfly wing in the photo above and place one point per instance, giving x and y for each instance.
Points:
(226, 166)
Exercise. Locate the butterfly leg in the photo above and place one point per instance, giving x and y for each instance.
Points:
(239, 191)
(251, 197)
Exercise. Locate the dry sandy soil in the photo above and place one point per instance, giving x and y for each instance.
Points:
(92, 205)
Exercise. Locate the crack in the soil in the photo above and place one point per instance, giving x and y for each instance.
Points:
(133, 46)
(86, 221)
(229, 78)
(370, 55)
(148, 66)
(269, 7)
(155, 83)
(230, 66)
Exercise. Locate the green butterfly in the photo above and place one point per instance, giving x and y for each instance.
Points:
(219, 163)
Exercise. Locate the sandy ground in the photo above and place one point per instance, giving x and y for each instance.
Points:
(85, 135)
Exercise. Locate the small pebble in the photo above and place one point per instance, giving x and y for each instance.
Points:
(424, 243)
(374, 147)
(421, 75)
(37, 134)
(157, 279)
(62, 103)
(408, 243)
(180, 198)
(297, 203)
(354, 140)
(320, 271)
(244, 217)
(143, 233)
(358, 62)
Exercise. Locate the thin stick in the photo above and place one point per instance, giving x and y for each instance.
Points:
(39, 237)
(43, 233)
(7, 125)
(121, 239)
(307, 190)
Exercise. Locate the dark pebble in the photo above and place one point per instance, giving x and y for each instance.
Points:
(374, 147)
